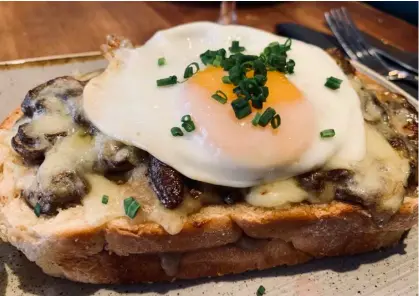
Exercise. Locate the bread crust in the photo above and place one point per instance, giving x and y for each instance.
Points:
(217, 240)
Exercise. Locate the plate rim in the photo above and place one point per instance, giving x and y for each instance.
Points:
(80, 55)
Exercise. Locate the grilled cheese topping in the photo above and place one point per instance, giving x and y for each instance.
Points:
(73, 149)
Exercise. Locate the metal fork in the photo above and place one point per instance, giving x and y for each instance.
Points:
(354, 44)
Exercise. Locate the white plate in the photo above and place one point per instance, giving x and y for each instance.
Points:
(385, 273)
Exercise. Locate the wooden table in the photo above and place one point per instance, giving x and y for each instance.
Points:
(33, 29)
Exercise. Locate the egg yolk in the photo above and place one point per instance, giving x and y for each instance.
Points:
(247, 144)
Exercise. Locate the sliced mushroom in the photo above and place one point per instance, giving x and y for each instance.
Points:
(314, 181)
(338, 175)
(36, 197)
(116, 157)
(51, 95)
(52, 138)
(64, 189)
(166, 182)
(311, 181)
(67, 186)
(31, 149)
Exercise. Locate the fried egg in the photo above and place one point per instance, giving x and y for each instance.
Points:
(125, 103)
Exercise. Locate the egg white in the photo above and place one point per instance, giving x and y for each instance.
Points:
(125, 103)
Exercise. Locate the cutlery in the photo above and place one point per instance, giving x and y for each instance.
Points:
(395, 60)
(358, 49)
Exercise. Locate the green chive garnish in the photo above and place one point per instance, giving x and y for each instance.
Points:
(287, 44)
(255, 120)
(131, 207)
(127, 202)
(226, 80)
(189, 71)
(266, 116)
(217, 61)
(328, 133)
(105, 199)
(167, 81)
(241, 107)
(235, 47)
(220, 96)
(37, 210)
(189, 126)
(257, 102)
(290, 66)
(161, 61)
(261, 291)
(265, 92)
(186, 118)
(276, 121)
(242, 113)
(176, 131)
(260, 79)
(333, 83)
(259, 67)
(213, 56)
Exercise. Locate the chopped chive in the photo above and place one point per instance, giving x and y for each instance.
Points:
(266, 116)
(287, 44)
(260, 79)
(37, 210)
(255, 120)
(239, 103)
(229, 63)
(226, 80)
(276, 121)
(167, 81)
(328, 133)
(213, 56)
(333, 83)
(127, 203)
(242, 113)
(105, 199)
(161, 61)
(247, 66)
(207, 57)
(259, 67)
(257, 102)
(189, 70)
(220, 96)
(131, 207)
(236, 74)
(185, 118)
(217, 61)
(235, 47)
(290, 66)
(176, 131)
(265, 93)
(189, 126)
(241, 108)
(261, 291)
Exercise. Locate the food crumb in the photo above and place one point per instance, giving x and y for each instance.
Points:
(261, 290)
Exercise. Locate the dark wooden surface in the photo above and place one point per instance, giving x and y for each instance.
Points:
(33, 29)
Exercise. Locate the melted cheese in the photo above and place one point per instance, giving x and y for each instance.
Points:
(276, 194)
(79, 152)
(50, 124)
(381, 174)
(71, 153)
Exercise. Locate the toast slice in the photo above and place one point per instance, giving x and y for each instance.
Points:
(216, 240)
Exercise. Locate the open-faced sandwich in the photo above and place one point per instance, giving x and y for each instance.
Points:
(207, 151)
